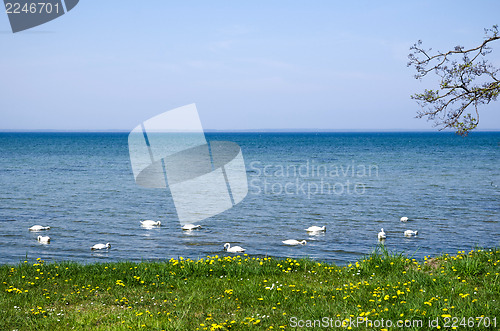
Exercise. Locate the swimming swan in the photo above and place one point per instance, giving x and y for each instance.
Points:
(189, 227)
(44, 239)
(39, 228)
(404, 219)
(409, 233)
(149, 223)
(234, 249)
(294, 242)
(381, 235)
(315, 228)
(101, 246)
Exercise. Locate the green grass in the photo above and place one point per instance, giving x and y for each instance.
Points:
(242, 292)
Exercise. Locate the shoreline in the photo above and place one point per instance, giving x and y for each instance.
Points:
(239, 291)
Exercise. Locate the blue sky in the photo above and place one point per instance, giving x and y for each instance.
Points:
(247, 65)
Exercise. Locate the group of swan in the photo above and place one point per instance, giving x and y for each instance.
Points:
(290, 242)
(146, 224)
(186, 227)
(312, 230)
(46, 239)
(235, 249)
(407, 233)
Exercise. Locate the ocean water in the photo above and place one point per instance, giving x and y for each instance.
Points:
(82, 186)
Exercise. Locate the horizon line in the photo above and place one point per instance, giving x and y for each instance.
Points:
(291, 130)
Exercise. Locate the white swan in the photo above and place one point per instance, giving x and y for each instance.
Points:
(409, 233)
(381, 235)
(404, 219)
(44, 239)
(149, 223)
(294, 242)
(189, 227)
(234, 249)
(39, 228)
(315, 228)
(101, 246)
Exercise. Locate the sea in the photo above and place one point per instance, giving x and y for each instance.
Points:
(354, 183)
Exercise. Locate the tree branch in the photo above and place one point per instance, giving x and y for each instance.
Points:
(465, 80)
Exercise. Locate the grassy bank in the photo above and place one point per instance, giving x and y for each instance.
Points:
(242, 292)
